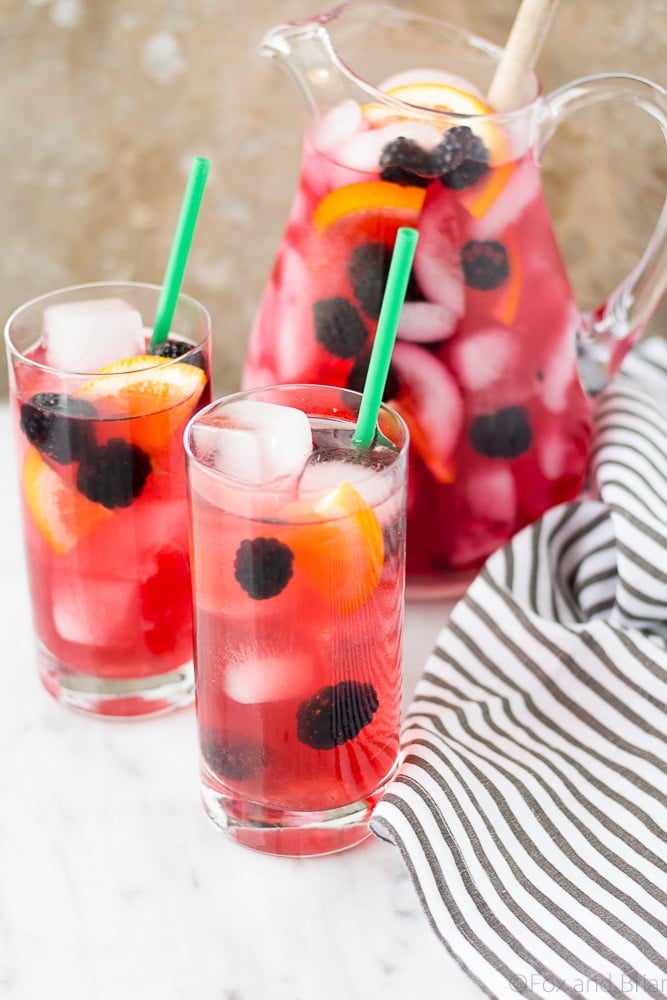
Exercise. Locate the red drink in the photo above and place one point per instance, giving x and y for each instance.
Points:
(298, 586)
(484, 370)
(103, 492)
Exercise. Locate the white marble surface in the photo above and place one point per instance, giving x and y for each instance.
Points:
(114, 884)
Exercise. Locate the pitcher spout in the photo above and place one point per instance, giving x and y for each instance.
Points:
(305, 49)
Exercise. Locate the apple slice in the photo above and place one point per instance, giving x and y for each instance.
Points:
(437, 263)
(429, 400)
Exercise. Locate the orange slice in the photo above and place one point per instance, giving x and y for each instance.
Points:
(341, 556)
(366, 195)
(479, 198)
(61, 514)
(440, 97)
(158, 395)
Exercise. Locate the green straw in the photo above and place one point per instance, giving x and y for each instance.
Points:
(180, 248)
(390, 313)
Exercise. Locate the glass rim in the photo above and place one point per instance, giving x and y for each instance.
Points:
(15, 352)
(238, 484)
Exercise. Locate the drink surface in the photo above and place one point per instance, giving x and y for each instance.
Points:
(484, 369)
(103, 493)
(298, 619)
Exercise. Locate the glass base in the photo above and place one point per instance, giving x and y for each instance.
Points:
(289, 833)
(114, 698)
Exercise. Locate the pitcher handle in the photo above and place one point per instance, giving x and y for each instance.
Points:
(607, 334)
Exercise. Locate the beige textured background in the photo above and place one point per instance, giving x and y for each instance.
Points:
(103, 104)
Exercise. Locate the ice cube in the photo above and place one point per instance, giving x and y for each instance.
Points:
(437, 264)
(430, 402)
(329, 468)
(270, 678)
(558, 369)
(366, 472)
(362, 151)
(204, 438)
(258, 442)
(293, 314)
(481, 358)
(94, 612)
(561, 444)
(523, 187)
(87, 336)
(490, 491)
(338, 124)
(426, 322)
(554, 453)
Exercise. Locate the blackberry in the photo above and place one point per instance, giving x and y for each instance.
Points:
(367, 270)
(113, 474)
(503, 434)
(356, 379)
(338, 327)
(485, 264)
(173, 349)
(263, 567)
(336, 714)
(403, 161)
(460, 158)
(231, 758)
(58, 425)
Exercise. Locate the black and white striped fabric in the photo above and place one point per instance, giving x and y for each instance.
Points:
(531, 806)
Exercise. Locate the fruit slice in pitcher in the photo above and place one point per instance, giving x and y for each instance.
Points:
(366, 196)
(429, 96)
(429, 400)
(437, 265)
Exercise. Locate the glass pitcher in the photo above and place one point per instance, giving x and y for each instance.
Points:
(495, 367)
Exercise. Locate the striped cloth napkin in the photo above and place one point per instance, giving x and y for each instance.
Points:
(531, 805)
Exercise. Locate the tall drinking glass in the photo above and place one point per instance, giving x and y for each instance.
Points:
(99, 425)
(298, 556)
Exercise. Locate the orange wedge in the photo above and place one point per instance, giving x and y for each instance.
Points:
(366, 195)
(61, 514)
(479, 198)
(158, 395)
(341, 556)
